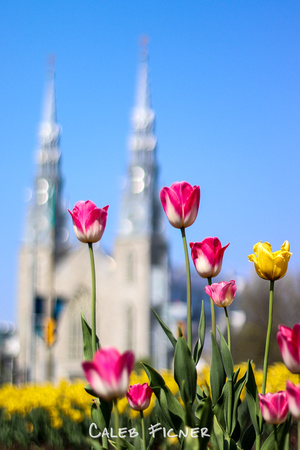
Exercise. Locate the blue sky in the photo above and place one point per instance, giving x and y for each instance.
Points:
(225, 82)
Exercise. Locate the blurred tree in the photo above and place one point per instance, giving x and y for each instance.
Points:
(249, 341)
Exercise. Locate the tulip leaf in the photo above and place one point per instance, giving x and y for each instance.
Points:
(252, 398)
(248, 438)
(217, 373)
(170, 406)
(201, 333)
(124, 444)
(205, 415)
(238, 387)
(282, 437)
(166, 329)
(87, 340)
(185, 371)
(100, 413)
(226, 357)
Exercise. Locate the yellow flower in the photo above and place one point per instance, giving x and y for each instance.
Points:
(270, 265)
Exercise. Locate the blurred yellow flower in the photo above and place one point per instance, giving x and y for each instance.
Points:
(270, 265)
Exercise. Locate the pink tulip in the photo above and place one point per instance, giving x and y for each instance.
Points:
(222, 294)
(139, 396)
(181, 203)
(109, 372)
(88, 221)
(274, 407)
(208, 256)
(289, 343)
(293, 398)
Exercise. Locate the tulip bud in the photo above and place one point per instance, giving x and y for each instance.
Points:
(180, 203)
(270, 265)
(88, 221)
(208, 256)
(293, 398)
(274, 407)
(222, 294)
(109, 372)
(139, 396)
(289, 343)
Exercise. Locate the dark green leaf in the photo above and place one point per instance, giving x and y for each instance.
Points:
(248, 438)
(170, 406)
(252, 398)
(185, 371)
(205, 415)
(217, 373)
(226, 357)
(101, 412)
(87, 340)
(201, 333)
(166, 329)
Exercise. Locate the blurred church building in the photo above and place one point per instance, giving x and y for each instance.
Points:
(54, 283)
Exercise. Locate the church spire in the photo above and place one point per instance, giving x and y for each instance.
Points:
(45, 223)
(139, 207)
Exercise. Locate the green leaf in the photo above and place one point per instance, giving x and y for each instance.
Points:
(185, 371)
(100, 413)
(170, 406)
(218, 434)
(252, 398)
(217, 373)
(237, 387)
(201, 333)
(248, 438)
(87, 340)
(226, 357)
(88, 388)
(166, 329)
(124, 444)
(205, 415)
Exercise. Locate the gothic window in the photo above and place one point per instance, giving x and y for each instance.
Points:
(130, 267)
(130, 327)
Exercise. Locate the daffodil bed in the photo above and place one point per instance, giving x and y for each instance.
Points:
(59, 416)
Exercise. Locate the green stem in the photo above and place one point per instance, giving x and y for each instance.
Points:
(228, 329)
(117, 424)
(275, 437)
(188, 290)
(143, 430)
(267, 347)
(93, 298)
(212, 310)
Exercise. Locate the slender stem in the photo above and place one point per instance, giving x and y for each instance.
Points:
(228, 329)
(143, 430)
(188, 290)
(267, 347)
(93, 298)
(212, 311)
(275, 437)
(117, 424)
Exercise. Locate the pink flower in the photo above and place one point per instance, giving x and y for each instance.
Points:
(274, 407)
(88, 221)
(109, 372)
(181, 203)
(139, 396)
(222, 294)
(293, 398)
(289, 343)
(208, 256)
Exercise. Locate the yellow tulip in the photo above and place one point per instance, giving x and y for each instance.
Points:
(270, 265)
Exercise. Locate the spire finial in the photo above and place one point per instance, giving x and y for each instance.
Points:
(144, 42)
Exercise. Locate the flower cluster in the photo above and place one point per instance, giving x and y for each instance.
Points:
(108, 371)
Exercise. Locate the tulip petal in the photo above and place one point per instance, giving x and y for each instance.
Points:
(172, 206)
(191, 207)
(293, 398)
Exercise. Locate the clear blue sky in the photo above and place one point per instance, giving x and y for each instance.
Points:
(225, 81)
